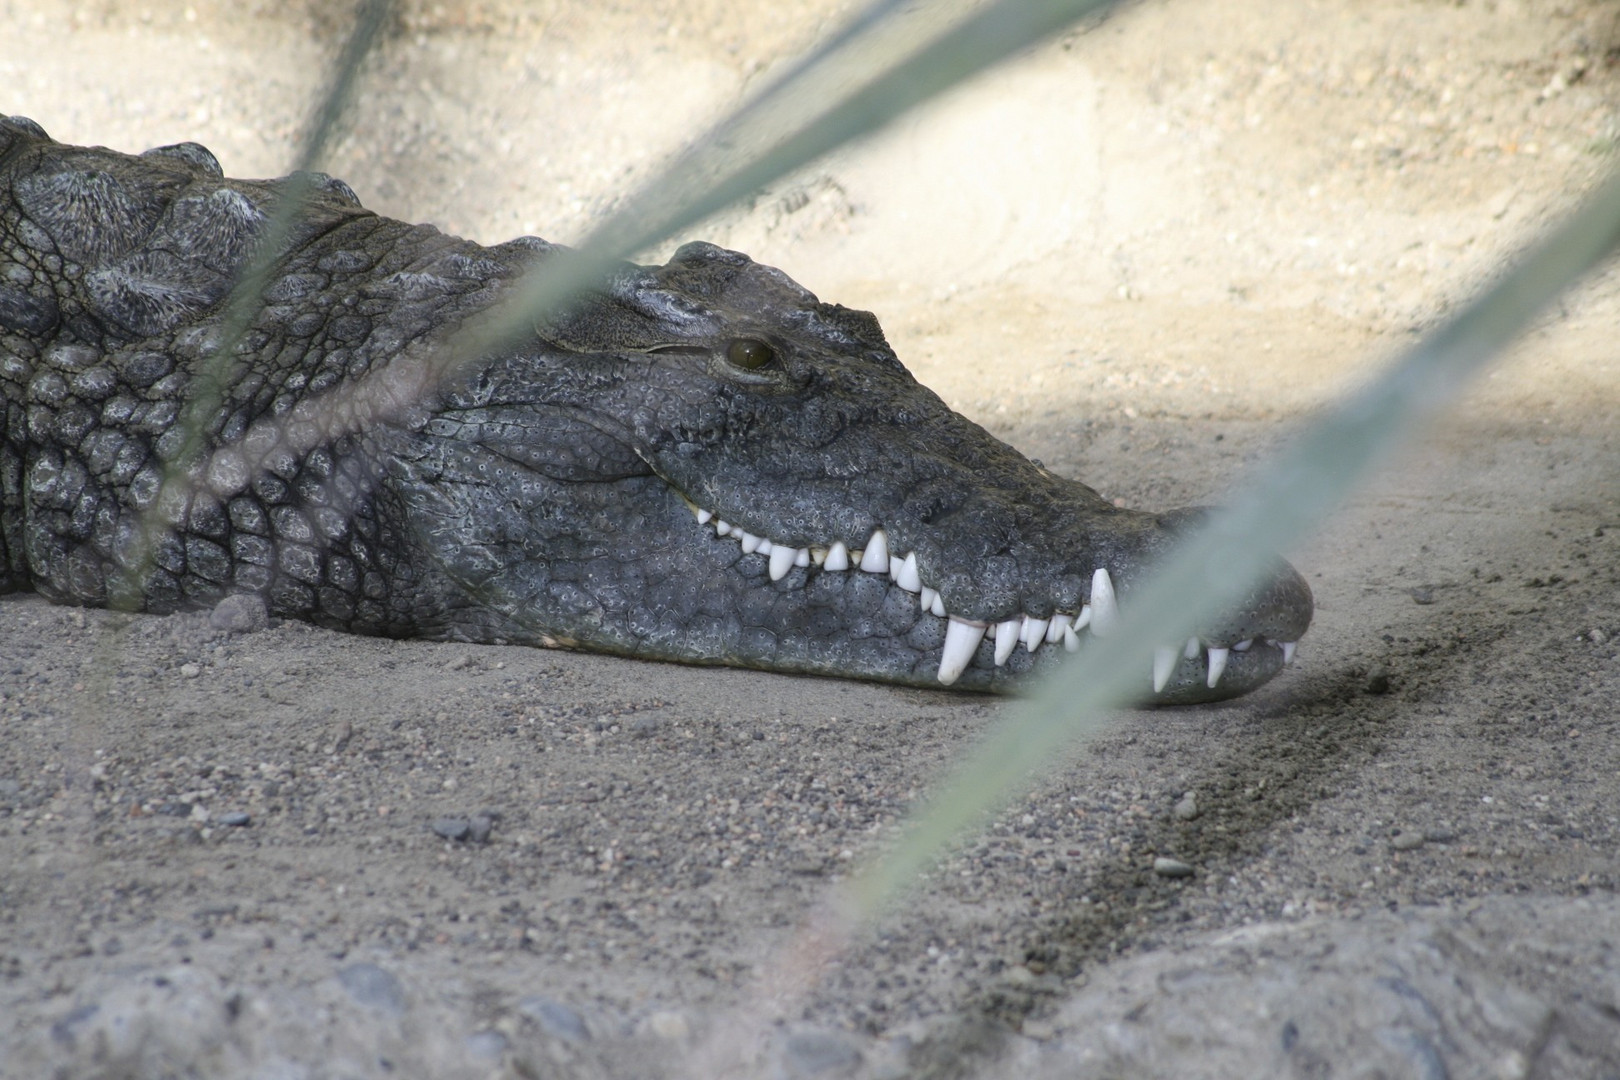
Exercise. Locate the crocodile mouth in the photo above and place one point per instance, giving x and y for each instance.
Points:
(964, 636)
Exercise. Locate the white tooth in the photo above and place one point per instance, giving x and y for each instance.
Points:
(781, 562)
(1071, 640)
(750, 542)
(1054, 632)
(837, 557)
(961, 642)
(703, 515)
(801, 556)
(1164, 662)
(1243, 646)
(855, 556)
(1104, 607)
(1034, 632)
(875, 559)
(766, 547)
(1007, 638)
(1192, 650)
(1083, 620)
(818, 555)
(895, 563)
(1217, 664)
(720, 527)
(938, 606)
(1288, 650)
(927, 597)
(907, 577)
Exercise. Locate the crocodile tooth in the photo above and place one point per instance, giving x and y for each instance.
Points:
(1288, 648)
(720, 527)
(703, 515)
(938, 606)
(1083, 620)
(1192, 650)
(927, 597)
(1217, 664)
(1034, 632)
(837, 557)
(1054, 631)
(1071, 640)
(765, 546)
(1243, 646)
(750, 542)
(1164, 662)
(907, 577)
(1104, 607)
(818, 555)
(781, 561)
(801, 556)
(1007, 638)
(962, 639)
(875, 559)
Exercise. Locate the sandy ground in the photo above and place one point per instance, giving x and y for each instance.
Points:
(1143, 254)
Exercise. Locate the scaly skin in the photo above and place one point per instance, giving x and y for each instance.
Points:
(549, 493)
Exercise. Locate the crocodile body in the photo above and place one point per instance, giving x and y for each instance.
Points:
(699, 462)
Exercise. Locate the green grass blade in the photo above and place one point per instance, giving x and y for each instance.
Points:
(206, 392)
(1287, 500)
(725, 166)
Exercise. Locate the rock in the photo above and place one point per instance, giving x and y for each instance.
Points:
(236, 819)
(1187, 809)
(1172, 868)
(243, 613)
(189, 671)
(478, 828)
(1407, 841)
(1486, 988)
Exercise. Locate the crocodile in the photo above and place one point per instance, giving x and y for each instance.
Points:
(696, 462)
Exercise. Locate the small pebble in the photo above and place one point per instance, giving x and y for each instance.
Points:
(555, 1018)
(452, 828)
(1407, 841)
(1423, 594)
(669, 1025)
(486, 1044)
(190, 671)
(1018, 975)
(371, 985)
(243, 613)
(818, 1053)
(478, 828)
(235, 818)
(1187, 808)
(1171, 868)
(465, 660)
(1378, 682)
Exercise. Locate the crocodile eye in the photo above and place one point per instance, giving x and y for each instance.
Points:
(749, 353)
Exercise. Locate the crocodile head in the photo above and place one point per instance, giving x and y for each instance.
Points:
(698, 462)
(769, 487)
